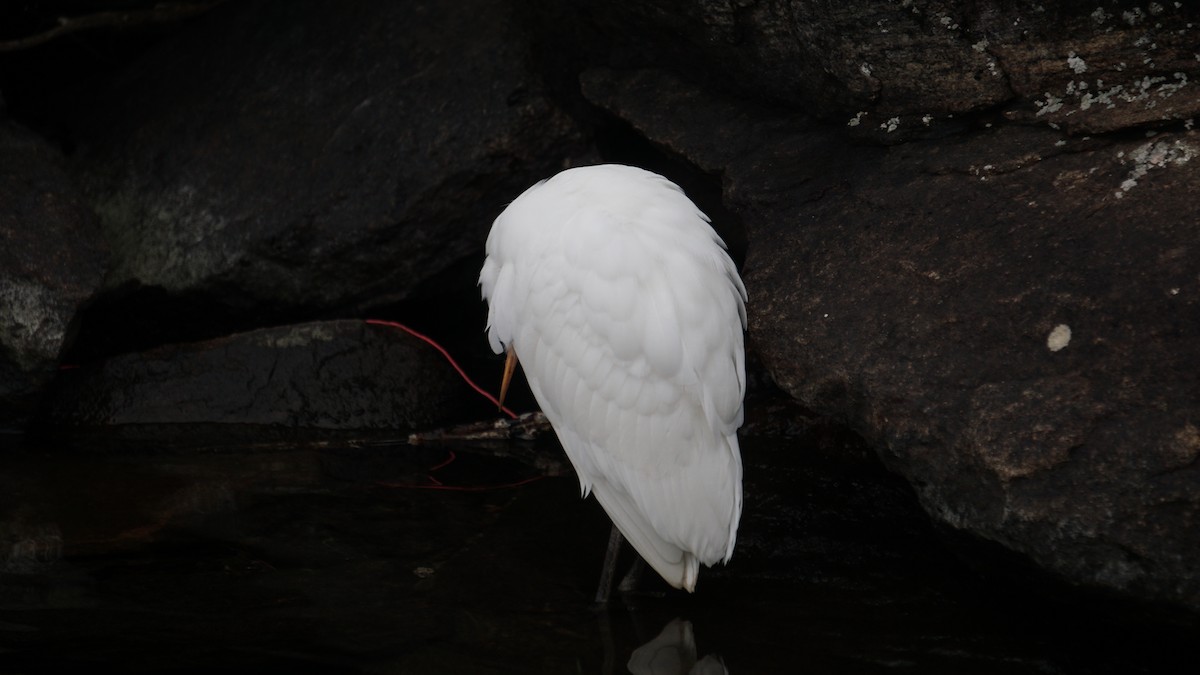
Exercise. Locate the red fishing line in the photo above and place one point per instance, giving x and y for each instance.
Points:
(442, 350)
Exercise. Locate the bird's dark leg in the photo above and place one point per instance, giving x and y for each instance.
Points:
(633, 577)
(610, 568)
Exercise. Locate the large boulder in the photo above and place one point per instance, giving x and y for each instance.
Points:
(276, 160)
(51, 261)
(1011, 316)
(299, 379)
(892, 70)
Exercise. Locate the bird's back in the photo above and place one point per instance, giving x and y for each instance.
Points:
(627, 315)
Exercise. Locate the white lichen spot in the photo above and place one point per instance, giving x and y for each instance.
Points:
(865, 69)
(890, 125)
(928, 119)
(1154, 155)
(1174, 291)
(1052, 104)
(1076, 64)
(1059, 143)
(1059, 338)
(1156, 9)
(980, 46)
(857, 119)
(1167, 90)
(299, 336)
(1105, 96)
(33, 320)
(1100, 16)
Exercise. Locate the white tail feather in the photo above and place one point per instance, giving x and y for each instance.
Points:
(676, 566)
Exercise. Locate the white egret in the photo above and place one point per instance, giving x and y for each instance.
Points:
(626, 312)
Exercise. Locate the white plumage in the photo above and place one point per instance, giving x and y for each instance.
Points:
(627, 314)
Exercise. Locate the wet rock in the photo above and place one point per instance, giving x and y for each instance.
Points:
(1012, 317)
(277, 159)
(893, 70)
(340, 375)
(51, 261)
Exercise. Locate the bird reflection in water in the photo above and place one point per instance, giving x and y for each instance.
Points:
(673, 652)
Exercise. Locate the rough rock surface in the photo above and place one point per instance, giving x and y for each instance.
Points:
(51, 260)
(281, 159)
(339, 375)
(896, 69)
(1013, 317)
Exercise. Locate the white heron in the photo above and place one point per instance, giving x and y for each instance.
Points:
(627, 314)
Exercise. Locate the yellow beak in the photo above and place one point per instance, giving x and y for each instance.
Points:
(510, 365)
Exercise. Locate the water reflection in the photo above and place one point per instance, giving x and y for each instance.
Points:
(673, 652)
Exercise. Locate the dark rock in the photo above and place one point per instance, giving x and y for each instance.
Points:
(340, 375)
(1011, 317)
(895, 70)
(281, 160)
(1097, 67)
(51, 260)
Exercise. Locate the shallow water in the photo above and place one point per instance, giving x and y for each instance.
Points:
(352, 557)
